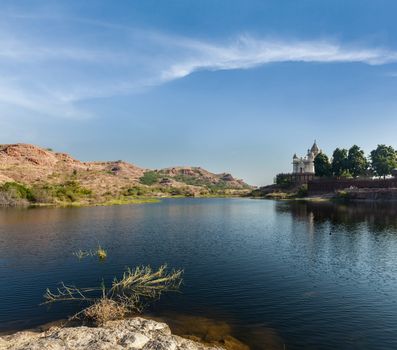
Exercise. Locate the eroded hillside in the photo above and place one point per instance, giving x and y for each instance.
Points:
(52, 177)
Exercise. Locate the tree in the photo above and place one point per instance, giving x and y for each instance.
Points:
(346, 174)
(357, 164)
(322, 165)
(149, 178)
(283, 180)
(339, 161)
(384, 160)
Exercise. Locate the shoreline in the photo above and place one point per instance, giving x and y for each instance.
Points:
(131, 333)
(113, 202)
(375, 195)
(190, 335)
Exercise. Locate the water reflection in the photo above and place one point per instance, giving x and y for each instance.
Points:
(377, 217)
(258, 273)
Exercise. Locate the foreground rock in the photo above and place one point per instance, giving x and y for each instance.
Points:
(135, 333)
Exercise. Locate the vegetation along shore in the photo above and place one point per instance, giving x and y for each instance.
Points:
(31, 175)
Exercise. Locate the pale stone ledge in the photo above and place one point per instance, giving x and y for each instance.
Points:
(131, 334)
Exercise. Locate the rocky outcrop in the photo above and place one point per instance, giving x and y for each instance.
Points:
(27, 154)
(29, 164)
(202, 177)
(132, 334)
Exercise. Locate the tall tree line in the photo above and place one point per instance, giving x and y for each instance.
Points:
(353, 162)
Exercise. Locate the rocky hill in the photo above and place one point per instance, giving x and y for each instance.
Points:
(30, 173)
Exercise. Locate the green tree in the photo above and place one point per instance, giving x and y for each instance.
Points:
(17, 191)
(384, 160)
(346, 174)
(357, 163)
(283, 180)
(339, 161)
(322, 165)
(149, 178)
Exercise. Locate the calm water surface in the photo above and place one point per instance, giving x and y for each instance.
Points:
(299, 275)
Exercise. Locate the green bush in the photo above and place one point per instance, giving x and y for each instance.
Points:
(70, 191)
(181, 191)
(197, 181)
(149, 178)
(284, 180)
(136, 191)
(346, 174)
(18, 191)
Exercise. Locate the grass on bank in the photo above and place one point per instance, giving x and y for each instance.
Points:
(72, 194)
(69, 192)
(128, 200)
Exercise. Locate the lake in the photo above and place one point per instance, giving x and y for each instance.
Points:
(272, 274)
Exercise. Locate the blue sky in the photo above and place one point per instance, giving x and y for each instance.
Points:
(235, 86)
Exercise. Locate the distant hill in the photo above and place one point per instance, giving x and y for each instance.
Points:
(58, 178)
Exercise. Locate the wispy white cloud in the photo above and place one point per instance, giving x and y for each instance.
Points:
(42, 103)
(51, 76)
(247, 52)
(23, 50)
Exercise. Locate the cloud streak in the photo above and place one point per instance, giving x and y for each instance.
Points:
(52, 77)
(247, 52)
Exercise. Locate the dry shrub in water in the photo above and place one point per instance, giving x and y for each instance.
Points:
(80, 254)
(125, 295)
(100, 252)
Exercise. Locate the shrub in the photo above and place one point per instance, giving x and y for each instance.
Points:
(125, 295)
(7, 199)
(136, 191)
(101, 253)
(181, 191)
(284, 180)
(149, 178)
(70, 191)
(13, 193)
(346, 174)
(19, 190)
(192, 180)
(105, 310)
(42, 194)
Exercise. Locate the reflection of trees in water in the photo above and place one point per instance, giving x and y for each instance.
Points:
(377, 216)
